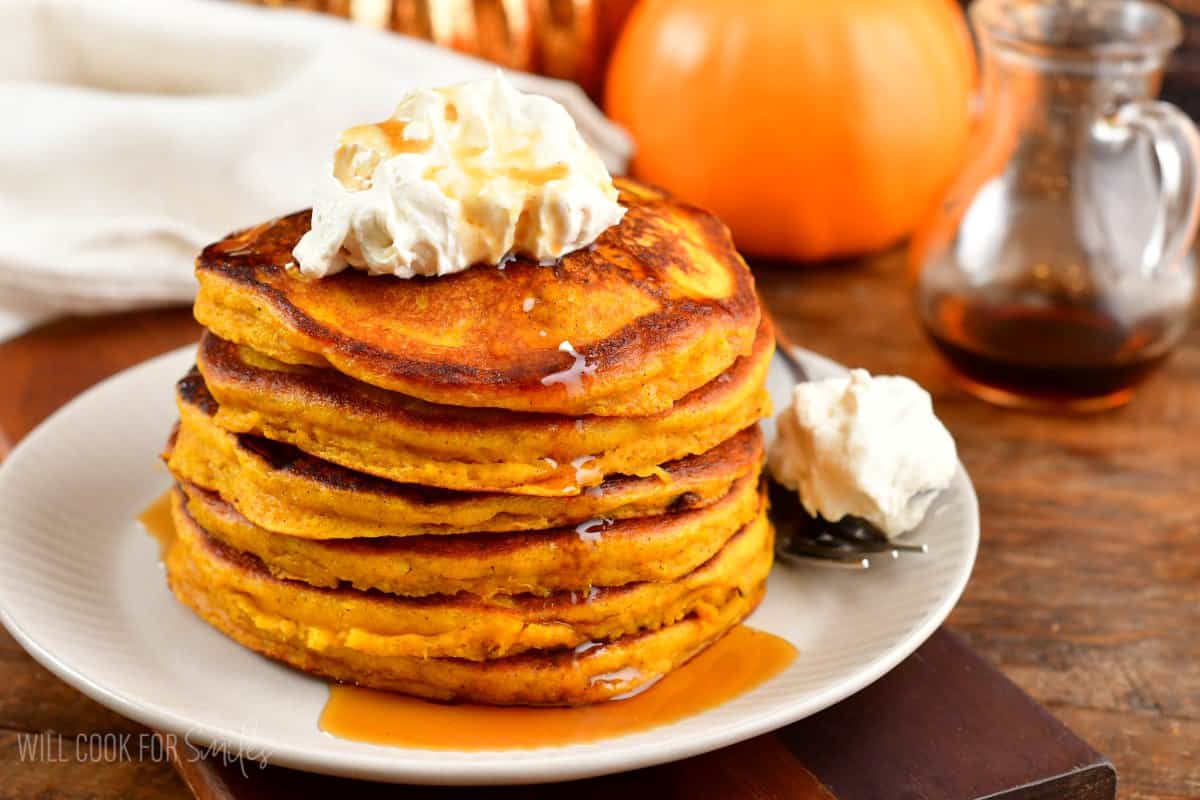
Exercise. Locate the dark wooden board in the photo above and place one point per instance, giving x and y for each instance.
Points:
(972, 732)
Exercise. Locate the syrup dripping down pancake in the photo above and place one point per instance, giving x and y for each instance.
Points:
(459, 626)
(576, 558)
(404, 439)
(561, 677)
(282, 489)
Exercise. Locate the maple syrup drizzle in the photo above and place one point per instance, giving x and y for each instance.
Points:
(743, 659)
(568, 479)
(592, 530)
(156, 519)
(572, 376)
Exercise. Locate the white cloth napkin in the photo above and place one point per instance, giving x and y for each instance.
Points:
(137, 131)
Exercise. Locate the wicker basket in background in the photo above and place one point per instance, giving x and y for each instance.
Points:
(568, 39)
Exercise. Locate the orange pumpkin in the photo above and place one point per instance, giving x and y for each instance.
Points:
(814, 128)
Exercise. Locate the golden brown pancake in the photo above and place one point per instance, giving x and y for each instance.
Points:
(459, 626)
(282, 489)
(336, 418)
(594, 553)
(563, 677)
(659, 306)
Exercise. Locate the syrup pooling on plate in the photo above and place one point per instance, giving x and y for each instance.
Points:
(744, 659)
(156, 519)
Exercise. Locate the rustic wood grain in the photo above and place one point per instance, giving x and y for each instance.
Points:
(48, 366)
(99, 773)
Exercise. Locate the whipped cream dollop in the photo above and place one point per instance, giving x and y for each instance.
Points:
(863, 446)
(458, 176)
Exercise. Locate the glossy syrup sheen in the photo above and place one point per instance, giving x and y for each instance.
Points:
(1019, 353)
(156, 519)
(742, 660)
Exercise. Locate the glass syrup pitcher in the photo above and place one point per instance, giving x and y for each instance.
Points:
(1057, 270)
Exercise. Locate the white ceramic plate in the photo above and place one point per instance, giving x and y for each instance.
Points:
(81, 588)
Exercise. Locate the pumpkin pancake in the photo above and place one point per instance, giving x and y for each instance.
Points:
(336, 418)
(462, 625)
(660, 305)
(599, 552)
(589, 673)
(282, 489)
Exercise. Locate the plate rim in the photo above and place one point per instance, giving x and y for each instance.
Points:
(376, 764)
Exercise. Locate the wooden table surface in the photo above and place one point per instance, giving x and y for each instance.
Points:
(1086, 591)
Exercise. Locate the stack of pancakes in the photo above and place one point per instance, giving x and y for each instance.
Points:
(533, 484)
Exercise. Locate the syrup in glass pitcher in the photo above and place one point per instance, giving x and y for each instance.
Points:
(1057, 272)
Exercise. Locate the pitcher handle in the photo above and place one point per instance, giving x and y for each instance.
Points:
(1176, 144)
